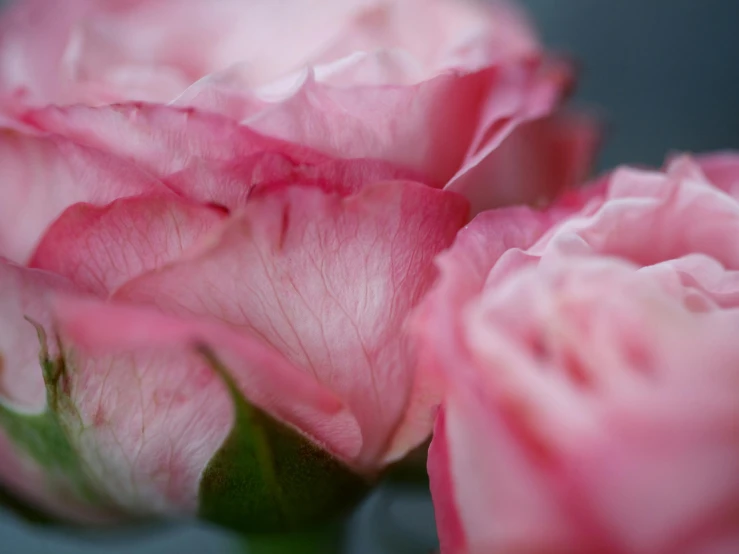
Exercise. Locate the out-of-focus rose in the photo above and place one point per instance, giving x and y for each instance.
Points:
(591, 366)
(227, 343)
(457, 91)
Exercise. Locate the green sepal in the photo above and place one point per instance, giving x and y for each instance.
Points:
(267, 478)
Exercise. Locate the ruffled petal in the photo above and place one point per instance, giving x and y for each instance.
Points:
(463, 271)
(100, 248)
(30, 467)
(42, 176)
(326, 281)
(151, 412)
(162, 139)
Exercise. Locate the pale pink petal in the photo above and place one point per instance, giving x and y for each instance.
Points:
(680, 216)
(96, 51)
(231, 92)
(497, 486)
(439, 35)
(228, 93)
(25, 478)
(326, 281)
(451, 81)
(498, 516)
(42, 176)
(611, 217)
(617, 389)
(679, 428)
(684, 167)
(463, 272)
(425, 127)
(163, 139)
(448, 524)
(701, 281)
(24, 293)
(450, 110)
(465, 74)
(24, 302)
(722, 169)
(126, 83)
(539, 160)
(185, 44)
(33, 39)
(207, 157)
(383, 44)
(519, 93)
(152, 412)
(230, 184)
(381, 67)
(201, 37)
(100, 248)
(631, 478)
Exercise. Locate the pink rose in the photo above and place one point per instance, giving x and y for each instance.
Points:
(458, 92)
(209, 340)
(591, 366)
(217, 279)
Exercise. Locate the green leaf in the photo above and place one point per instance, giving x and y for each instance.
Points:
(268, 478)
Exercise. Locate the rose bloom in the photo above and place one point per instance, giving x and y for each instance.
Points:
(200, 317)
(590, 364)
(298, 286)
(459, 92)
(216, 218)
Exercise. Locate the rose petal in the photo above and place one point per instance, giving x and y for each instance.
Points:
(326, 281)
(670, 210)
(24, 293)
(230, 184)
(100, 248)
(463, 271)
(33, 38)
(202, 38)
(152, 413)
(44, 175)
(539, 160)
(162, 139)
(508, 505)
(421, 129)
(451, 534)
(85, 50)
(520, 93)
(27, 479)
(722, 169)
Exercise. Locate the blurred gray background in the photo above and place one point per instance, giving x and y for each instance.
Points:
(664, 73)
